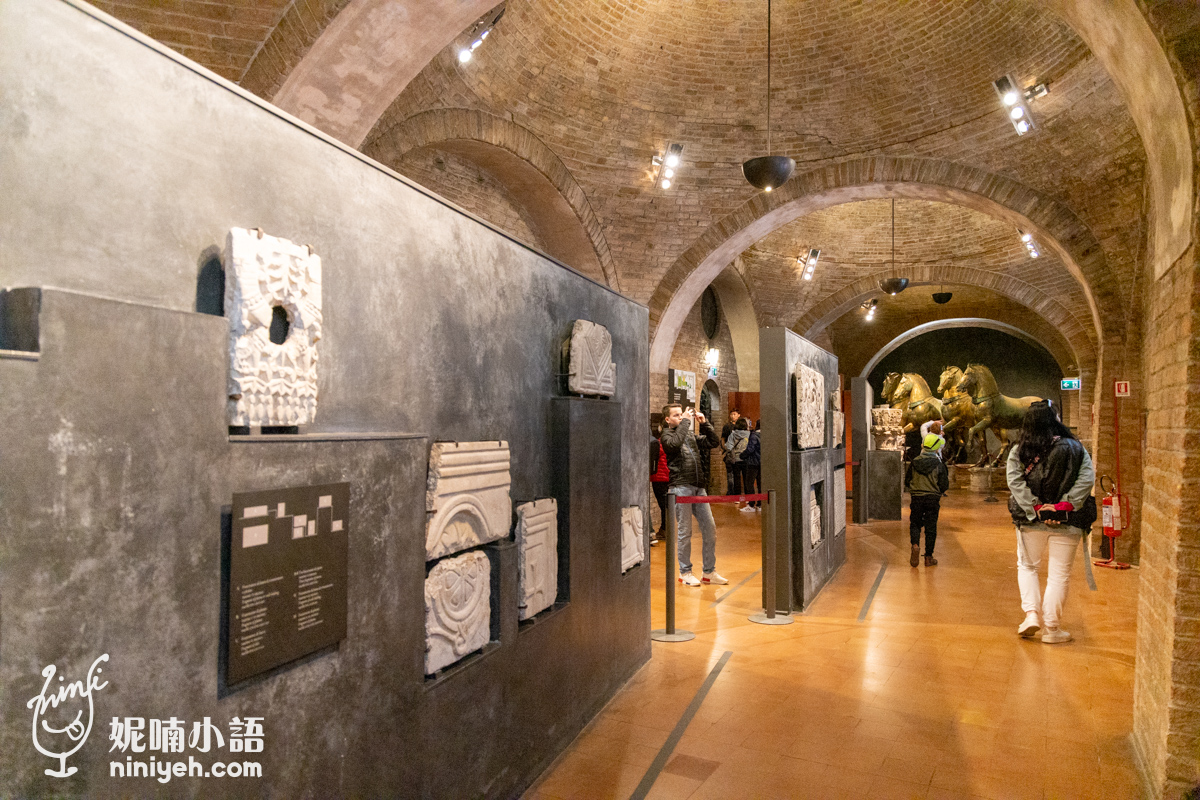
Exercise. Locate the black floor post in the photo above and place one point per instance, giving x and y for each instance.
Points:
(768, 616)
(669, 634)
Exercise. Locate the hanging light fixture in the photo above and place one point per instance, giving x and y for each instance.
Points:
(767, 172)
(893, 285)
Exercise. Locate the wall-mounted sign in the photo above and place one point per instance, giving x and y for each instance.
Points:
(1122, 388)
(1070, 384)
(683, 387)
(287, 576)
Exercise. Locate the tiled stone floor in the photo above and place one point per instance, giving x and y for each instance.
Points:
(932, 696)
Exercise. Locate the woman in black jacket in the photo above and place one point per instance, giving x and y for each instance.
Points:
(1050, 476)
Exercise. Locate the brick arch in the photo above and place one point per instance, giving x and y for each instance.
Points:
(1080, 338)
(878, 177)
(532, 173)
(1063, 358)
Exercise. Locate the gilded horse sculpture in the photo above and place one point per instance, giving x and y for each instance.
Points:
(993, 409)
(911, 393)
(959, 413)
(890, 382)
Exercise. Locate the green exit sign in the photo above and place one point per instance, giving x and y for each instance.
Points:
(1070, 383)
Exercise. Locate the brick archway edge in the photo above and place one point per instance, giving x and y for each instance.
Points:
(1078, 337)
(874, 178)
(466, 125)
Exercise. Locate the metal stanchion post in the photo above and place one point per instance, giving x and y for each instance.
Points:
(768, 616)
(991, 496)
(669, 634)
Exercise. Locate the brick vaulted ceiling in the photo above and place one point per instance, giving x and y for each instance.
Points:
(605, 86)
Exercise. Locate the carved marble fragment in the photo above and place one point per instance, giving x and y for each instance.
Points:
(814, 517)
(271, 384)
(457, 609)
(537, 556)
(466, 499)
(839, 428)
(632, 542)
(839, 501)
(810, 406)
(590, 368)
(887, 428)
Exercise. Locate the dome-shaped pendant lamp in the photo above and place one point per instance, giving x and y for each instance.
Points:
(767, 172)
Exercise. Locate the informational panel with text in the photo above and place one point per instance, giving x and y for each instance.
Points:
(287, 576)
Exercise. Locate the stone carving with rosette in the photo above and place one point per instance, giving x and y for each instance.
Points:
(466, 499)
(810, 406)
(271, 384)
(590, 368)
(632, 542)
(458, 609)
(537, 556)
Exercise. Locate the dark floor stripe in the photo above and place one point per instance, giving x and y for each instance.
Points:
(734, 589)
(871, 595)
(664, 754)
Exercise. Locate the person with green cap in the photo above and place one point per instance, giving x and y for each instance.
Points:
(928, 482)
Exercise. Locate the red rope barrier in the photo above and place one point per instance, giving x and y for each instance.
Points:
(721, 498)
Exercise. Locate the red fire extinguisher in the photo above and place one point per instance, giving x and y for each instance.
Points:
(1114, 511)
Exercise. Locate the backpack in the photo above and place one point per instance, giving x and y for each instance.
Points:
(734, 456)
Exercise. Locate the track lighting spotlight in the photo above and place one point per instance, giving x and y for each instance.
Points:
(1015, 102)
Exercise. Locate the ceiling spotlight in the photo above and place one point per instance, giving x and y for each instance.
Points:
(664, 166)
(893, 286)
(1015, 100)
(869, 307)
(1030, 244)
(941, 298)
(464, 55)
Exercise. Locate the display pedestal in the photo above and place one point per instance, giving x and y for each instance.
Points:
(885, 474)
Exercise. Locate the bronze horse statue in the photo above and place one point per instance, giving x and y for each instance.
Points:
(910, 392)
(959, 413)
(993, 409)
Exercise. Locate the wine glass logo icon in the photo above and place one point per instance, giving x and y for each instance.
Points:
(69, 695)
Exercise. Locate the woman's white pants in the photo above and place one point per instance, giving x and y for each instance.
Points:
(1059, 545)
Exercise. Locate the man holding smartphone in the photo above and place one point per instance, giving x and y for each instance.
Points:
(688, 458)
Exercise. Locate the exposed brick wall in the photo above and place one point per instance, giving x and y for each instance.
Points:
(1167, 680)
(223, 37)
(461, 181)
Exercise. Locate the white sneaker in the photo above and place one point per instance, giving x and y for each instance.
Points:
(751, 509)
(1030, 627)
(715, 578)
(688, 579)
(1055, 636)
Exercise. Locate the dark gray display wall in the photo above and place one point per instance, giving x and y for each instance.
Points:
(123, 170)
(1020, 368)
(802, 567)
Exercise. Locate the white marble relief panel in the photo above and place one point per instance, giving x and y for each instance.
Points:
(887, 428)
(633, 545)
(271, 384)
(810, 406)
(814, 517)
(839, 501)
(537, 556)
(458, 609)
(466, 500)
(839, 428)
(590, 368)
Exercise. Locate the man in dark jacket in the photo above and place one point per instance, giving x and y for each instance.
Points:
(687, 458)
(929, 480)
